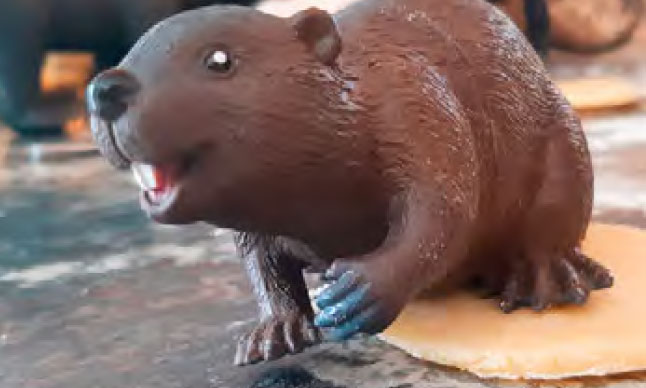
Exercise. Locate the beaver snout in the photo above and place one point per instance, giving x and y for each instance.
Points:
(110, 92)
(108, 96)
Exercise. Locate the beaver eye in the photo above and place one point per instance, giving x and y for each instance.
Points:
(219, 61)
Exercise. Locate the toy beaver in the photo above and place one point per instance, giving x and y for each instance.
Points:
(403, 145)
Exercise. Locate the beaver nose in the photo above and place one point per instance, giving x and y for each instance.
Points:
(109, 93)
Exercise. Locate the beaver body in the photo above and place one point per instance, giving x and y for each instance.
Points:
(402, 145)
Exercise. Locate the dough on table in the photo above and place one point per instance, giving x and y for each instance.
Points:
(606, 336)
(599, 93)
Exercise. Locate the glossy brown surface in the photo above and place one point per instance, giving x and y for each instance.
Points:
(403, 150)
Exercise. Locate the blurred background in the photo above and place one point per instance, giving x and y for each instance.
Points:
(92, 294)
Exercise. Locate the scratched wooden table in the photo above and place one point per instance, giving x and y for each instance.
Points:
(92, 295)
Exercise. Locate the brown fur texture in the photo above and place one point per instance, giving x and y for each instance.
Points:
(402, 144)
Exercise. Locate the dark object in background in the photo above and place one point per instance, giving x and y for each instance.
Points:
(532, 17)
(538, 25)
(29, 28)
(575, 25)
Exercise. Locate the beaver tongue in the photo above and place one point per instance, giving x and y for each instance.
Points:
(150, 178)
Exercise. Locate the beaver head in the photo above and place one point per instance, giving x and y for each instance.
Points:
(205, 106)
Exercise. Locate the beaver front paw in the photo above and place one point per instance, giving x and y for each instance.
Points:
(359, 300)
(275, 337)
(557, 281)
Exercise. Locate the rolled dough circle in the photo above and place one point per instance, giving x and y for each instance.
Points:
(605, 336)
(601, 93)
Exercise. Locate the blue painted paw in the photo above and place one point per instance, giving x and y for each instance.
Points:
(351, 305)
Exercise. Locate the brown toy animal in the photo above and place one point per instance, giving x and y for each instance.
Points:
(401, 144)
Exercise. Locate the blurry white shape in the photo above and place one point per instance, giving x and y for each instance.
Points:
(607, 199)
(285, 8)
(42, 273)
(109, 264)
(220, 57)
(181, 256)
(217, 232)
(144, 175)
(609, 133)
(35, 153)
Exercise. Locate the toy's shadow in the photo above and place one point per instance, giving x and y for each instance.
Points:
(290, 377)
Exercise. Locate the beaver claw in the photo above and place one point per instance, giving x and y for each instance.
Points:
(275, 337)
(555, 282)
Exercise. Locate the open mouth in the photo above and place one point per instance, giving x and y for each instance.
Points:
(159, 184)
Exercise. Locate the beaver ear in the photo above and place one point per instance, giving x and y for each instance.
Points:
(317, 30)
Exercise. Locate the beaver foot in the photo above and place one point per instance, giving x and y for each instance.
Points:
(275, 337)
(558, 281)
(363, 297)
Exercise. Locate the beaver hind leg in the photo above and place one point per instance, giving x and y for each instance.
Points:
(547, 268)
(544, 282)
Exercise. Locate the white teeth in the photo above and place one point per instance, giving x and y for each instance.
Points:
(144, 175)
